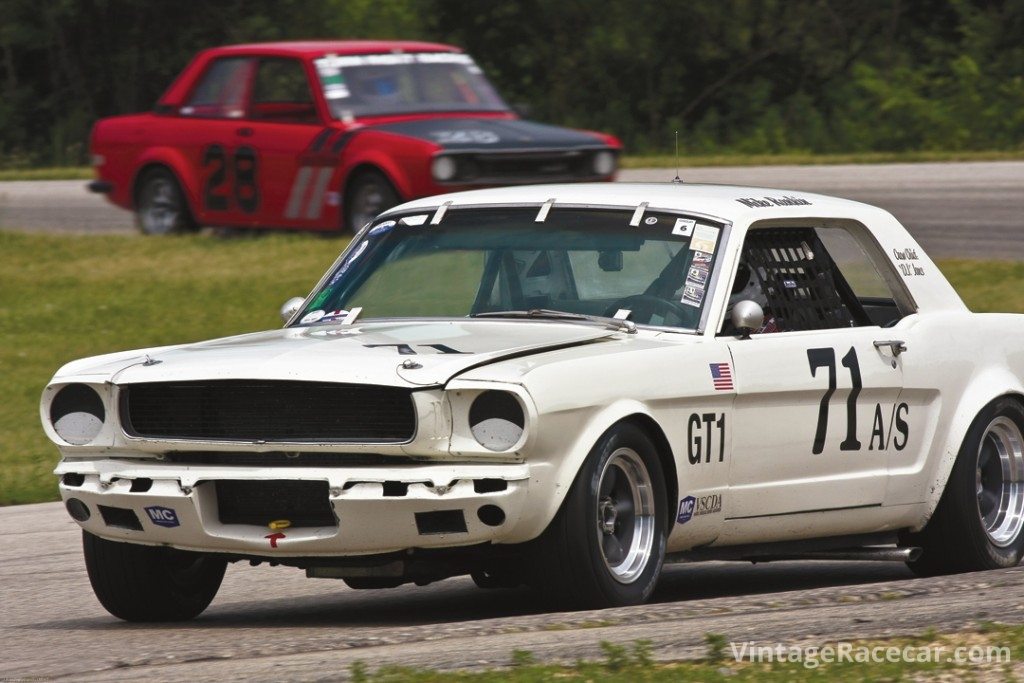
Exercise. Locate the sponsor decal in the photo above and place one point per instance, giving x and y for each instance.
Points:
(312, 317)
(683, 227)
(902, 258)
(693, 295)
(162, 516)
(721, 376)
(692, 506)
(381, 228)
(705, 238)
(768, 202)
(340, 313)
(789, 284)
(651, 220)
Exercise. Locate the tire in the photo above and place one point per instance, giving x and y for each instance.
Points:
(160, 206)
(368, 194)
(576, 561)
(149, 583)
(979, 521)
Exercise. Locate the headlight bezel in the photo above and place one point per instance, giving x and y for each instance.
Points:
(66, 399)
(461, 396)
(444, 168)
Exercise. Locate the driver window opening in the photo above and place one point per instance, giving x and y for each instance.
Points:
(810, 279)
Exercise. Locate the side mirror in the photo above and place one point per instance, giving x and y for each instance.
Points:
(747, 316)
(291, 307)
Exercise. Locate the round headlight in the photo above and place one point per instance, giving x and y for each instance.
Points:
(604, 163)
(496, 420)
(77, 414)
(443, 168)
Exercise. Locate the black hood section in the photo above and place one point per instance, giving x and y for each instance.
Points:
(493, 135)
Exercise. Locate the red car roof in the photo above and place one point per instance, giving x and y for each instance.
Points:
(312, 48)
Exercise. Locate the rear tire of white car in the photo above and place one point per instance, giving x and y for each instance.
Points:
(606, 546)
(160, 206)
(150, 583)
(979, 522)
(369, 193)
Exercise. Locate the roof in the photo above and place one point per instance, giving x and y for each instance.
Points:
(731, 202)
(313, 48)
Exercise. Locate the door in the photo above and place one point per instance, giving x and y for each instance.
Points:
(817, 406)
(207, 134)
(297, 155)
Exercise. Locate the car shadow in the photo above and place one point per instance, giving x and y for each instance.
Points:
(459, 600)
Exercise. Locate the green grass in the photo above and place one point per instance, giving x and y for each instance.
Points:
(809, 159)
(658, 161)
(58, 173)
(635, 663)
(65, 297)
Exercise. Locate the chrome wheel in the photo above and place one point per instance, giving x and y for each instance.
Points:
(625, 515)
(160, 209)
(1000, 481)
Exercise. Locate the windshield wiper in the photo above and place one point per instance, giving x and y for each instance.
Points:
(627, 326)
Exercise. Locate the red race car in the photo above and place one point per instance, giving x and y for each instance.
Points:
(324, 136)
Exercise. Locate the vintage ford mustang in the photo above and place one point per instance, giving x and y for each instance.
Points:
(564, 386)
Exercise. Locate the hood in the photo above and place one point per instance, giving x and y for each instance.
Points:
(367, 353)
(493, 135)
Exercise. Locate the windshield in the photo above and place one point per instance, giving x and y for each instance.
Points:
(478, 262)
(367, 85)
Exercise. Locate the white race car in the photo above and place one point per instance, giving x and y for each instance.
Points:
(565, 386)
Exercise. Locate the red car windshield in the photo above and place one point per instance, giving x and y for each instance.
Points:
(369, 85)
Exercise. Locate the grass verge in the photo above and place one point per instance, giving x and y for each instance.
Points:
(57, 173)
(932, 658)
(65, 297)
(686, 160)
(809, 159)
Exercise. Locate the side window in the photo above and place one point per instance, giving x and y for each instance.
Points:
(281, 92)
(811, 279)
(221, 90)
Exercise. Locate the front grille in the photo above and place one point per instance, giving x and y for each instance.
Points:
(258, 503)
(506, 168)
(245, 410)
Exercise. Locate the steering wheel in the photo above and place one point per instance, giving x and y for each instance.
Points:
(645, 306)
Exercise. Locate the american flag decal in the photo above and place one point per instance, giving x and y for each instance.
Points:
(721, 375)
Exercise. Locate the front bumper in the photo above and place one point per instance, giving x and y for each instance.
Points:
(376, 509)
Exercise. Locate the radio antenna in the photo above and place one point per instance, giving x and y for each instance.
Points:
(677, 179)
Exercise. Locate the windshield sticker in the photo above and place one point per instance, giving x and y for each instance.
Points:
(392, 59)
(702, 257)
(698, 274)
(705, 237)
(414, 220)
(320, 298)
(381, 228)
(312, 317)
(340, 313)
(683, 227)
(693, 295)
(650, 220)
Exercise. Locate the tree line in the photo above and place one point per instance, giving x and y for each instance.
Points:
(732, 76)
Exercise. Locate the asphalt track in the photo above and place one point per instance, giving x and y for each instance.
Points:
(968, 210)
(272, 624)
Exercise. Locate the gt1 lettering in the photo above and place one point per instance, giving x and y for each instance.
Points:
(700, 437)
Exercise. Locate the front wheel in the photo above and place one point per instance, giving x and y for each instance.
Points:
(369, 194)
(979, 520)
(148, 583)
(161, 208)
(606, 546)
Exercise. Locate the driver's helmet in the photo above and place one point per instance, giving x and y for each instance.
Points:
(746, 287)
